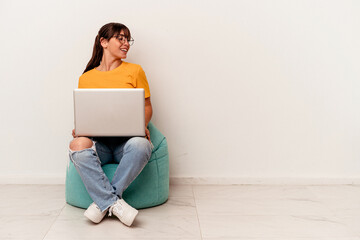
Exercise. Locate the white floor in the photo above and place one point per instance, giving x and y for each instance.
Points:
(192, 212)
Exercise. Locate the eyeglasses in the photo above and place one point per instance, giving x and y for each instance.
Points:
(122, 39)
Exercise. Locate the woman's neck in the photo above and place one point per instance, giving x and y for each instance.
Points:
(108, 65)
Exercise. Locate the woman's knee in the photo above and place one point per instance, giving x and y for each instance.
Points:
(138, 144)
(80, 143)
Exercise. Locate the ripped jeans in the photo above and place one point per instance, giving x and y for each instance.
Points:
(132, 154)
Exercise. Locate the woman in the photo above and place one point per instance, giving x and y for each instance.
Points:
(107, 70)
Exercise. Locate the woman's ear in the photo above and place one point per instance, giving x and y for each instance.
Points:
(103, 42)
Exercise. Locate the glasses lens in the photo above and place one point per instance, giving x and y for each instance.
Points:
(131, 41)
(122, 38)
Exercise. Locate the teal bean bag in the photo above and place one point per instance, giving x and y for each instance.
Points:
(150, 188)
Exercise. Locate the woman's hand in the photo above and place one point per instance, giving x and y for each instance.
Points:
(73, 133)
(147, 134)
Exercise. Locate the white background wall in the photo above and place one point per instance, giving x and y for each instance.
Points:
(241, 89)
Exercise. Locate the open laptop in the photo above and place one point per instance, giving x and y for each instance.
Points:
(109, 112)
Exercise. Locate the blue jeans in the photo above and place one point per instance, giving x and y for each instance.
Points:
(132, 154)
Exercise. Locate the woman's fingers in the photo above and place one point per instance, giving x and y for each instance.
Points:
(147, 133)
(73, 133)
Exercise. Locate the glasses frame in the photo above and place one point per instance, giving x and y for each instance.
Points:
(131, 41)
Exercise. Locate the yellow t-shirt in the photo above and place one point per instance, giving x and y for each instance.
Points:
(127, 75)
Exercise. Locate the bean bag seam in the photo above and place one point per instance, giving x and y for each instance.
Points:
(157, 147)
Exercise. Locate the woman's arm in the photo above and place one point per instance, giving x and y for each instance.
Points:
(148, 114)
(148, 111)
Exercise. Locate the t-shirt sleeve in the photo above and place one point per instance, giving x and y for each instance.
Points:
(141, 82)
(79, 83)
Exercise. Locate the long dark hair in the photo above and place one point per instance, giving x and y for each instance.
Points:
(107, 31)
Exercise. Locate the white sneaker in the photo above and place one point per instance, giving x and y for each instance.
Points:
(123, 211)
(94, 213)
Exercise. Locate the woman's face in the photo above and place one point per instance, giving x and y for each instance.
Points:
(117, 46)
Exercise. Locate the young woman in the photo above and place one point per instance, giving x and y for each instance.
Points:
(107, 70)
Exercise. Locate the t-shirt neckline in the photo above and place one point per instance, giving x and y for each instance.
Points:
(110, 71)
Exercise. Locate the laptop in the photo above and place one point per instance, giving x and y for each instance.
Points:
(109, 112)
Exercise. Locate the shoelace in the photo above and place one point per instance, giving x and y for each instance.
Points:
(116, 208)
